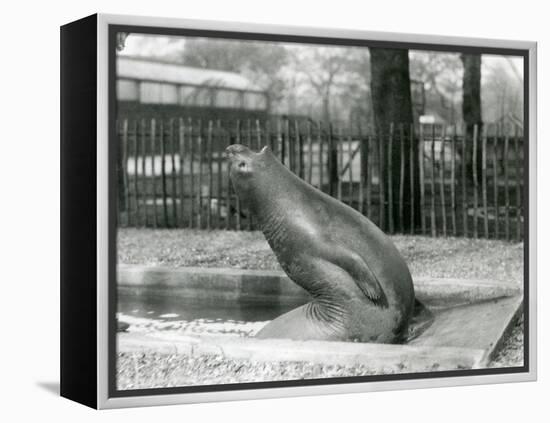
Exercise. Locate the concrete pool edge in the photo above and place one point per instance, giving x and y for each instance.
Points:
(385, 358)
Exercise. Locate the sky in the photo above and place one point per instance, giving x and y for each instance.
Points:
(158, 46)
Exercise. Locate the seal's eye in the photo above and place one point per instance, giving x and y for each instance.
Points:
(244, 167)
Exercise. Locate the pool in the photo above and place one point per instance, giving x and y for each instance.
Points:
(468, 314)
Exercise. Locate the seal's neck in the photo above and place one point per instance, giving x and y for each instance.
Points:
(278, 191)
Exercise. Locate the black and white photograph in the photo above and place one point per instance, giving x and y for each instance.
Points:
(300, 210)
(275, 212)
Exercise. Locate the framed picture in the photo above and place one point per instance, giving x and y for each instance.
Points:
(254, 211)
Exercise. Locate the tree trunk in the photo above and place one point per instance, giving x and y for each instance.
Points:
(392, 104)
(471, 106)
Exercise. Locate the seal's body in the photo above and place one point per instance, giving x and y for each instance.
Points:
(361, 287)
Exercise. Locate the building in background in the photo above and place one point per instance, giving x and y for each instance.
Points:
(149, 88)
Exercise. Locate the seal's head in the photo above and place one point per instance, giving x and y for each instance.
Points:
(249, 171)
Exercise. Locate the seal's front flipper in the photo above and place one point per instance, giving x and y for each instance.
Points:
(362, 274)
(367, 281)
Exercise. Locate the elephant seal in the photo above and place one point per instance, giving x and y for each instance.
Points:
(361, 288)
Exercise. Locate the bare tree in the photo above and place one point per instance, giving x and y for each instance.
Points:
(502, 92)
(324, 70)
(441, 75)
(358, 87)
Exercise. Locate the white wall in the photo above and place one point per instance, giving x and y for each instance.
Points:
(30, 209)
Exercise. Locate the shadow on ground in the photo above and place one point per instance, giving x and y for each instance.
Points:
(51, 387)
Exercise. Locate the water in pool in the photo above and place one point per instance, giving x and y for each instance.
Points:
(146, 310)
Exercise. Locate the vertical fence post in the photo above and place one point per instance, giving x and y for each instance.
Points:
(495, 180)
(209, 175)
(219, 159)
(174, 191)
(339, 161)
(362, 168)
(162, 130)
(237, 201)
(280, 143)
(401, 177)
(191, 174)
(200, 140)
(484, 182)
(517, 183)
(350, 167)
(258, 136)
(181, 139)
(124, 165)
(154, 172)
(464, 192)
(332, 161)
(412, 159)
(141, 175)
(309, 153)
(228, 202)
(119, 180)
(135, 195)
(475, 177)
(453, 180)
(298, 142)
(321, 161)
(389, 174)
(288, 147)
(421, 172)
(268, 137)
(381, 182)
(506, 187)
(143, 140)
(369, 166)
(432, 184)
(249, 145)
(442, 179)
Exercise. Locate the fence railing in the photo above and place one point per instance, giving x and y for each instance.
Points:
(437, 180)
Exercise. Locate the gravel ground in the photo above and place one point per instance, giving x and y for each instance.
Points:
(138, 370)
(153, 370)
(511, 352)
(433, 257)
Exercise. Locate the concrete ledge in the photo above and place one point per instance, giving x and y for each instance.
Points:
(480, 325)
(379, 357)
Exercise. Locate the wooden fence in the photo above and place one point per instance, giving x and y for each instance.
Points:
(172, 173)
